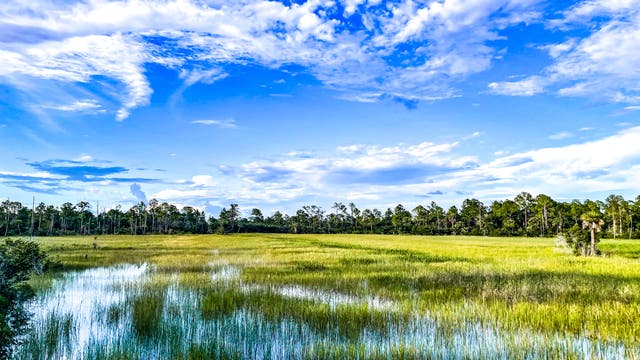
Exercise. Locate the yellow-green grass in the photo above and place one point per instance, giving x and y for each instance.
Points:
(507, 283)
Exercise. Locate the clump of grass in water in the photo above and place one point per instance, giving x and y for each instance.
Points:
(347, 320)
(219, 303)
(309, 266)
(57, 333)
(114, 314)
(147, 312)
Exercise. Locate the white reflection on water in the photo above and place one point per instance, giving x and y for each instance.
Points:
(85, 296)
(226, 274)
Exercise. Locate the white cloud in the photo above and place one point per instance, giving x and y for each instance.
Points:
(571, 166)
(204, 76)
(526, 87)
(580, 168)
(79, 105)
(178, 194)
(225, 124)
(84, 158)
(38, 174)
(85, 42)
(351, 149)
(354, 172)
(300, 153)
(82, 41)
(603, 64)
(561, 135)
(611, 163)
(586, 10)
(79, 59)
(350, 6)
(473, 135)
(203, 180)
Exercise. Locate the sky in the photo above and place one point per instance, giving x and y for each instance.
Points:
(280, 104)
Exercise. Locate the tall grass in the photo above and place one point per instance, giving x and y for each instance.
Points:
(330, 297)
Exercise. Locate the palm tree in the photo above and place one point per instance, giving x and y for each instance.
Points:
(153, 207)
(592, 221)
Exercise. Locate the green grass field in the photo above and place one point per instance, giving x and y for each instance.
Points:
(343, 296)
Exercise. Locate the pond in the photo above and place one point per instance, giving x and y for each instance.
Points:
(139, 312)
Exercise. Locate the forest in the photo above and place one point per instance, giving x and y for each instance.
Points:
(524, 215)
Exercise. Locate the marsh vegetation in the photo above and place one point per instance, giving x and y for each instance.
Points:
(333, 296)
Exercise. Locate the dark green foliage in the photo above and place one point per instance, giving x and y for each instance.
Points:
(577, 239)
(524, 215)
(18, 260)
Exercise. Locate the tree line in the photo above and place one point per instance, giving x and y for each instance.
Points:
(524, 215)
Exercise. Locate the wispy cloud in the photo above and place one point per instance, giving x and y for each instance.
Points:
(561, 135)
(208, 76)
(602, 64)
(84, 158)
(225, 124)
(80, 105)
(473, 135)
(527, 87)
(378, 57)
(78, 60)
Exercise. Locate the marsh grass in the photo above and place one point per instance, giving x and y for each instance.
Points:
(337, 296)
(147, 312)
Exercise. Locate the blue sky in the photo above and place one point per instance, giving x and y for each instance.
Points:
(279, 104)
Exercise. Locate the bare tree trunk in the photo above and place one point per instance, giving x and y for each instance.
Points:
(593, 240)
(51, 223)
(620, 220)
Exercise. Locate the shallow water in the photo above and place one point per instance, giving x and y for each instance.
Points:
(83, 297)
(94, 314)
